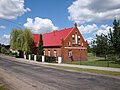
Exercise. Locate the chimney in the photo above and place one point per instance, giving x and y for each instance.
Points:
(75, 24)
(54, 33)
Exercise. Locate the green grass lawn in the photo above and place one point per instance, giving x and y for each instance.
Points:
(88, 70)
(97, 61)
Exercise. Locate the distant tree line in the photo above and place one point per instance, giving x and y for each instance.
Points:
(108, 45)
(4, 48)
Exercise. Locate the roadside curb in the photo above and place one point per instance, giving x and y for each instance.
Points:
(67, 65)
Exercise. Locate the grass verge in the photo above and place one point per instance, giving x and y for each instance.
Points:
(101, 63)
(97, 61)
(88, 70)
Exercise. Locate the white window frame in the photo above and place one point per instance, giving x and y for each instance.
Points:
(55, 53)
(44, 52)
(69, 53)
(48, 52)
(73, 42)
(69, 44)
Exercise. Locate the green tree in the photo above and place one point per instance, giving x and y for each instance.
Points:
(15, 39)
(116, 37)
(40, 45)
(3, 50)
(93, 48)
(27, 41)
(89, 48)
(0, 47)
(102, 48)
(21, 40)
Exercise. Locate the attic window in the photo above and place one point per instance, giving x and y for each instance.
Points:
(73, 40)
(69, 43)
(73, 36)
(78, 40)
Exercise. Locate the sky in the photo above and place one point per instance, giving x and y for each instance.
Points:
(43, 16)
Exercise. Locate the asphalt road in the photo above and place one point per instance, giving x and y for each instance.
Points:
(22, 76)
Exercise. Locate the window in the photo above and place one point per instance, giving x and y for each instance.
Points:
(69, 53)
(44, 52)
(48, 52)
(78, 40)
(73, 36)
(82, 44)
(69, 43)
(55, 53)
(73, 40)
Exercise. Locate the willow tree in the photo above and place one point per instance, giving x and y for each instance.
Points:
(27, 41)
(15, 39)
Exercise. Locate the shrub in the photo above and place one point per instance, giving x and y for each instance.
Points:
(3, 50)
(50, 59)
(39, 58)
(13, 54)
(32, 57)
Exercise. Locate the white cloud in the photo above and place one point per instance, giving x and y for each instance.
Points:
(103, 29)
(90, 40)
(11, 9)
(85, 29)
(2, 27)
(94, 29)
(83, 11)
(40, 25)
(5, 39)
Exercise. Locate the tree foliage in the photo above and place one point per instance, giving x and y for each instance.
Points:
(40, 45)
(116, 36)
(27, 41)
(3, 50)
(21, 40)
(109, 44)
(15, 39)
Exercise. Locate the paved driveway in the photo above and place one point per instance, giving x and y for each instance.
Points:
(22, 76)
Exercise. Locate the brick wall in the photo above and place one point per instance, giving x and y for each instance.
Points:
(77, 54)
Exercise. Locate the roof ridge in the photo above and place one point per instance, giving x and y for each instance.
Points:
(58, 30)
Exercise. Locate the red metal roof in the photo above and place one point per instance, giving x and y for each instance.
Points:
(53, 38)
